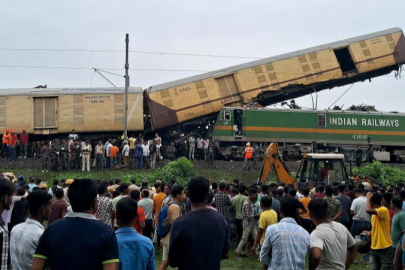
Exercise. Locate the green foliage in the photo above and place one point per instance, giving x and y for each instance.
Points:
(180, 170)
(380, 173)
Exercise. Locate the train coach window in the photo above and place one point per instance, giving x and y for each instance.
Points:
(321, 120)
(345, 60)
(226, 116)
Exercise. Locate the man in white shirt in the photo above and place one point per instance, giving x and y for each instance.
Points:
(125, 154)
(191, 144)
(25, 236)
(332, 245)
(107, 148)
(147, 205)
(145, 153)
(358, 210)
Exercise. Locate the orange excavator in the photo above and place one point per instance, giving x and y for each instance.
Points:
(314, 167)
(273, 160)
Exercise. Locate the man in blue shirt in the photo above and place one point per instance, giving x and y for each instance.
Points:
(286, 243)
(136, 251)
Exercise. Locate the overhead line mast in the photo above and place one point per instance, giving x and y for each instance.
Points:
(126, 89)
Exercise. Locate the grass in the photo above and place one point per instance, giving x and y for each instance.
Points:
(126, 175)
(249, 262)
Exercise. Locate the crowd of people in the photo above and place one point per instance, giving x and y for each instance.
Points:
(92, 224)
(73, 153)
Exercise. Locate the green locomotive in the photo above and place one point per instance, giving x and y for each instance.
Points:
(301, 130)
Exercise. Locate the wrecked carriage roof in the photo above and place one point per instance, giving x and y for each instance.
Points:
(263, 61)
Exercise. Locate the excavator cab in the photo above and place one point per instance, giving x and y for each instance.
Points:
(326, 168)
(314, 167)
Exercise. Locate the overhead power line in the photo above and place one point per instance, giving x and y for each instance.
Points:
(122, 51)
(100, 69)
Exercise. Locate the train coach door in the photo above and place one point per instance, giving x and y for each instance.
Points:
(345, 60)
(238, 124)
(228, 89)
(45, 110)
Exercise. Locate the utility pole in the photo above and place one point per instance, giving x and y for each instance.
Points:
(126, 89)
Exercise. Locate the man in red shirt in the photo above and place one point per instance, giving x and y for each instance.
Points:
(24, 143)
(139, 221)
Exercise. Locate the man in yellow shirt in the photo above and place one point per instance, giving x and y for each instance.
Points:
(268, 217)
(381, 252)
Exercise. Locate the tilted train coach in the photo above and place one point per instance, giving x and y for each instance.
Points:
(181, 106)
(275, 79)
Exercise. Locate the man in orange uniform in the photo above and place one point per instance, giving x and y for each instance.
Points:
(4, 148)
(157, 205)
(248, 157)
(12, 145)
(114, 154)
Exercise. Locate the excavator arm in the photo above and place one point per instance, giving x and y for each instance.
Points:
(272, 160)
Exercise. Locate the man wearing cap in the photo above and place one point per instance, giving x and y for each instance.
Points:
(65, 190)
(125, 154)
(24, 143)
(12, 145)
(248, 157)
(6, 138)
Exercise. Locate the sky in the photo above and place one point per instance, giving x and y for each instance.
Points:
(82, 35)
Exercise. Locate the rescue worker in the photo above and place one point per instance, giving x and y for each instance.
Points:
(55, 148)
(24, 143)
(4, 147)
(12, 145)
(86, 151)
(248, 157)
(64, 147)
(256, 155)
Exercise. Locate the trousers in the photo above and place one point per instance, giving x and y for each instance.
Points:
(24, 148)
(86, 162)
(382, 259)
(191, 152)
(99, 162)
(248, 164)
(249, 230)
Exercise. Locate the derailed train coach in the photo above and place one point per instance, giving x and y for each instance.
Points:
(329, 131)
(59, 110)
(268, 81)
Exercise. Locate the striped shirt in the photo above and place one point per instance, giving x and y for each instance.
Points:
(288, 243)
(248, 213)
(5, 247)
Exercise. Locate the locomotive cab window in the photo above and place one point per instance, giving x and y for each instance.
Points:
(321, 120)
(226, 115)
(345, 60)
